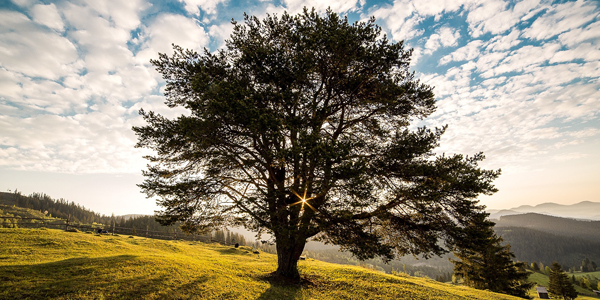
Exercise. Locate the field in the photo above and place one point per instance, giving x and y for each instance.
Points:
(543, 280)
(53, 264)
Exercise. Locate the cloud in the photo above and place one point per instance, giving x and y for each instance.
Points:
(496, 16)
(208, 6)
(444, 37)
(99, 142)
(578, 35)
(167, 29)
(47, 15)
(27, 48)
(468, 52)
(562, 18)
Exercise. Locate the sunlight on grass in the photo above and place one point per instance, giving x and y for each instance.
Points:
(53, 264)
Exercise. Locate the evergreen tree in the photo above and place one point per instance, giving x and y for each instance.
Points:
(585, 265)
(300, 127)
(535, 267)
(560, 286)
(486, 264)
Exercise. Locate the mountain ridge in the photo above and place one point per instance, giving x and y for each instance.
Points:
(585, 210)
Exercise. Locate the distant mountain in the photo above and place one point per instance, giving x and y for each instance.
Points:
(583, 210)
(588, 230)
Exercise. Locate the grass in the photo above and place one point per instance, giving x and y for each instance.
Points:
(543, 280)
(53, 264)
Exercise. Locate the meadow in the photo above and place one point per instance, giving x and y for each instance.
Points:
(54, 264)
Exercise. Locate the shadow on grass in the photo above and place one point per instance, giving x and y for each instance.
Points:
(103, 277)
(284, 288)
(234, 251)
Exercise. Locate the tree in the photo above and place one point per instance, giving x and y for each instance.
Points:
(535, 267)
(560, 285)
(299, 128)
(585, 265)
(487, 264)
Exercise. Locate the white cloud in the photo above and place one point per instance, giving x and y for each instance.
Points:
(33, 51)
(169, 29)
(92, 143)
(444, 37)
(468, 52)
(562, 18)
(208, 6)
(504, 42)
(495, 16)
(578, 35)
(47, 15)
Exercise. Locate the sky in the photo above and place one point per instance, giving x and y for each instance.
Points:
(517, 80)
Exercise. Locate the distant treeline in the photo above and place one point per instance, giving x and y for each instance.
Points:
(42, 205)
(534, 245)
(58, 208)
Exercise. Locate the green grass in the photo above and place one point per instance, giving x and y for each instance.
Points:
(543, 280)
(53, 264)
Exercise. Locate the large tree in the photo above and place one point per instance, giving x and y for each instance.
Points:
(485, 263)
(300, 127)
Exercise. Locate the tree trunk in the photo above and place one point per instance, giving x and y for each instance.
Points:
(288, 254)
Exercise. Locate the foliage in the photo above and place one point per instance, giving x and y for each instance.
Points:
(300, 127)
(560, 286)
(487, 264)
(53, 264)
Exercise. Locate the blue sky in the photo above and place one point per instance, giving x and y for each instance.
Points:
(517, 80)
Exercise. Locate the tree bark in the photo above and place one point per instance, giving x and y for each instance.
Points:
(288, 254)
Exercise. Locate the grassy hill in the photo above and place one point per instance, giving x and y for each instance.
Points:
(53, 264)
(543, 280)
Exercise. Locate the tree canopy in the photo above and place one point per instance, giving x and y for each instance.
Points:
(300, 127)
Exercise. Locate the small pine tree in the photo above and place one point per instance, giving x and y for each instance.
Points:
(535, 267)
(486, 264)
(560, 286)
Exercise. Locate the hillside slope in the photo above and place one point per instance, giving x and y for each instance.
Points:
(589, 230)
(53, 264)
(533, 245)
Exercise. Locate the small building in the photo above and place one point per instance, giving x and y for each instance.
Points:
(597, 292)
(542, 292)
